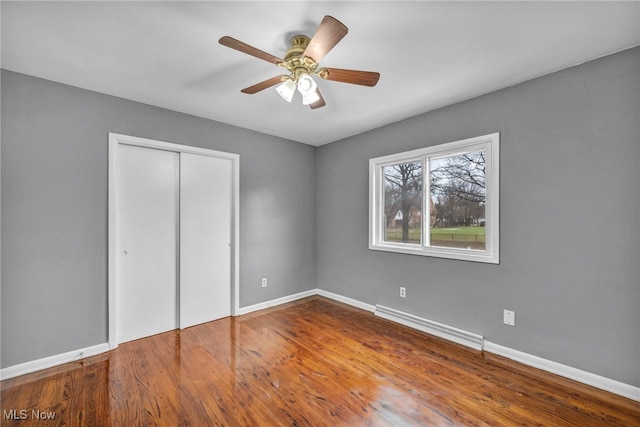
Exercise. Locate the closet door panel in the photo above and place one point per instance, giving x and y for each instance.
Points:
(147, 236)
(205, 238)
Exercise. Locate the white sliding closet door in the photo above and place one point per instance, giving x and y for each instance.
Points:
(205, 238)
(147, 235)
(172, 236)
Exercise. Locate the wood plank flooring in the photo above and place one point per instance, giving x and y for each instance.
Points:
(314, 362)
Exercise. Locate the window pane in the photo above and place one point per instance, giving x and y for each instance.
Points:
(458, 194)
(403, 202)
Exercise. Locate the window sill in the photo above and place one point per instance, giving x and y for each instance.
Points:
(438, 252)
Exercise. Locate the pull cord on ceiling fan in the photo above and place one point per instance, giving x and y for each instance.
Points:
(301, 60)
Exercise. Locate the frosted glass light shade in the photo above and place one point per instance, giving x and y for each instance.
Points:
(286, 90)
(310, 98)
(306, 85)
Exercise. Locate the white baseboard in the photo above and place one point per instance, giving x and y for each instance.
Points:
(447, 332)
(588, 378)
(70, 356)
(305, 294)
(276, 302)
(346, 300)
(51, 361)
(450, 333)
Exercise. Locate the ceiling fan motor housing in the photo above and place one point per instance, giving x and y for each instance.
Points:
(295, 61)
(298, 45)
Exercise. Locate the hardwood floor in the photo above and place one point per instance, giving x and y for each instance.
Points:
(314, 362)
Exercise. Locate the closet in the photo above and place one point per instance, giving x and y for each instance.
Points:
(173, 236)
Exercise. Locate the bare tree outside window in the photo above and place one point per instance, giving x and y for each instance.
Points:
(403, 202)
(457, 185)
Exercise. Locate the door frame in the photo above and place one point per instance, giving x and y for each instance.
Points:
(115, 141)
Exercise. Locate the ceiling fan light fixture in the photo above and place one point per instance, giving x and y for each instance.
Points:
(308, 88)
(306, 85)
(286, 90)
(310, 98)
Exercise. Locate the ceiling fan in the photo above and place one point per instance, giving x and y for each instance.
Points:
(301, 60)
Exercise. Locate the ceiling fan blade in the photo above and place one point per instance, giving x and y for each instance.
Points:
(364, 78)
(250, 50)
(264, 85)
(319, 103)
(329, 33)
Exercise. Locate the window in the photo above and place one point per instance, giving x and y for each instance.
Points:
(439, 201)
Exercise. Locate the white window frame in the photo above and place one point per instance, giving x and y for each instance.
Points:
(491, 144)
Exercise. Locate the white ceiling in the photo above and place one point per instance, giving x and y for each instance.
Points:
(429, 54)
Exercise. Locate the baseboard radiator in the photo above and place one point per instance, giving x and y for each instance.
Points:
(447, 332)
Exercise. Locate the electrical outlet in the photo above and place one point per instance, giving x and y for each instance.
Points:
(509, 318)
(264, 282)
(403, 292)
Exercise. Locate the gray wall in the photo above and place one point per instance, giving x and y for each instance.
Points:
(54, 209)
(570, 222)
